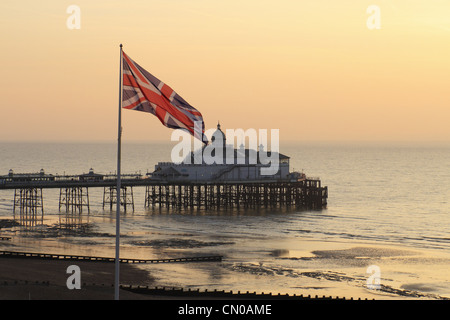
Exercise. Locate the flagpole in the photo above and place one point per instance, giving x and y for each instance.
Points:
(119, 142)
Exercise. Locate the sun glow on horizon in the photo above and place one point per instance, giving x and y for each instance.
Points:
(311, 69)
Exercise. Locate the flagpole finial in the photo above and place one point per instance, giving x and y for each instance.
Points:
(121, 45)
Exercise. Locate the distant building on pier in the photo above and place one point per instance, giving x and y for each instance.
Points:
(91, 176)
(239, 164)
(21, 177)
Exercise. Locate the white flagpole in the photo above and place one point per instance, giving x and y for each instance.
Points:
(119, 142)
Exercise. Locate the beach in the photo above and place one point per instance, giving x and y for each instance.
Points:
(34, 279)
(331, 269)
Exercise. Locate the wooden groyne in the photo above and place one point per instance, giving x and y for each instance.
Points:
(189, 293)
(222, 294)
(64, 257)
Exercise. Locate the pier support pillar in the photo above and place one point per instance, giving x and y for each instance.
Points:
(150, 196)
(29, 205)
(126, 197)
(74, 199)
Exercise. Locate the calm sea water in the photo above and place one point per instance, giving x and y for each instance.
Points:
(380, 194)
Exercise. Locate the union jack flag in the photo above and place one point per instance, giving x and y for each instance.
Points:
(144, 92)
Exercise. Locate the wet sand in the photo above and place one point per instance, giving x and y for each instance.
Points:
(322, 269)
(404, 275)
(34, 279)
(286, 266)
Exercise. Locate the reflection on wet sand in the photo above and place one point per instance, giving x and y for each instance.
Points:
(255, 263)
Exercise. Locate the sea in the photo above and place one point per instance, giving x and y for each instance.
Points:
(384, 233)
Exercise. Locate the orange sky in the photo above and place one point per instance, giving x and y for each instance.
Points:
(312, 69)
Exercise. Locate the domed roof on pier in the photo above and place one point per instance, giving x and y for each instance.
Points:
(230, 153)
(218, 135)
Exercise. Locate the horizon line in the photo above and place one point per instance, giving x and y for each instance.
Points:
(288, 141)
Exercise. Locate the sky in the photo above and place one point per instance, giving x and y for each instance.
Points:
(316, 70)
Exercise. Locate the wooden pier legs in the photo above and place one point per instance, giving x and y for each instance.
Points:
(74, 199)
(306, 194)
(126, 197)
(30, 206)
(302, 194)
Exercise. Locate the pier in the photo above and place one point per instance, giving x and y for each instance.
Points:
(300, 193)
